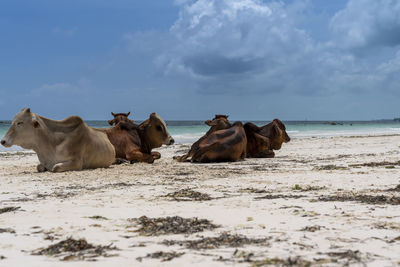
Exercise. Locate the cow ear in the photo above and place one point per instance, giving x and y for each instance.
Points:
(276, 130)
(111, 122)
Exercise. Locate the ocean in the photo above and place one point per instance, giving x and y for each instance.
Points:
(186, 132)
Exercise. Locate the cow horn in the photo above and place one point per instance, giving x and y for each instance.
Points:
(112, 113)
(27, 110)
(127, 114)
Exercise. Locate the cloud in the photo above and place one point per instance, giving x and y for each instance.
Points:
(366, 24)
(245, 47)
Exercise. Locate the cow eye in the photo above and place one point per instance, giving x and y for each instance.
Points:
(158, 127)
(19, 123)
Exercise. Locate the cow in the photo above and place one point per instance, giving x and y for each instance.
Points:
(134, 142)
(219, 122)
(65, 145)
(222, 145)
(261, 141)
(119, 117)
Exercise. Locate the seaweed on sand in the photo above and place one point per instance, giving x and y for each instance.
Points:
(72, 249)
(7, 230)
(291, 261)
(395, 189)
(330, 168)
(8, 209)
(188, 195)
(271, 196)
(223, 240)
(164, 256)
(368, 199)
(376, 164)
(171, 225)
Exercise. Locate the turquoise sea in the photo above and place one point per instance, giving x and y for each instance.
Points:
(185, 132)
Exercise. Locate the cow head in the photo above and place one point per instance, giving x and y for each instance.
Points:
(119, 117)
(22, 130)
(278, 134)
(219, 122)
(156, 131)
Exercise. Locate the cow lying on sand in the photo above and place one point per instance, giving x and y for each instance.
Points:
(223, 142)
(261, 141)
(60, 145)
(219, 122)
(135, 142)
(119, 117)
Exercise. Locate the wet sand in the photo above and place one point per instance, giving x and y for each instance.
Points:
(323, 201)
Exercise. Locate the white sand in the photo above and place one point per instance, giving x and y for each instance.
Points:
(66, 200)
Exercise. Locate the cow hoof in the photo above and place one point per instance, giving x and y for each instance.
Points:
(41, 168)
(57, 168)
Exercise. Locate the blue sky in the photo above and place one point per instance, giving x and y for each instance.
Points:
(187, 59)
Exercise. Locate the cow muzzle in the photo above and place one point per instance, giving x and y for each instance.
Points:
(171, 141)
(4, 143)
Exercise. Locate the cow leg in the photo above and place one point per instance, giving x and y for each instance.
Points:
(156, 155)
(41, 168)
(72, 165)
(181, 158)
(243, 155)
(201, 154)
(119, 161)
(266, 154)
(136, 155)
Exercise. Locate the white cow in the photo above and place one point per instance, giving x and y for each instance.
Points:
(60, 145)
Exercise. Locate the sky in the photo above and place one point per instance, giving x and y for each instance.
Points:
(191, 59)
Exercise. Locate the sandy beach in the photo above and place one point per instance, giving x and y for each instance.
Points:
(321, 201)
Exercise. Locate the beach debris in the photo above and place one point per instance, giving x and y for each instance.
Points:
(396, 189)
(297, 187)
(72, 249)
(98, 217)
(350, 255)
(7, 230)
(291, 261)
(8, 209)
(376, 164)
(387, 225)
(59, 194)
(223, 240)
(171, 225)
(272, 196)
(164, 256)
(253, 190)
(188, 195)
(367, 199)
(313, 228)
(2, 257)
(330, 167)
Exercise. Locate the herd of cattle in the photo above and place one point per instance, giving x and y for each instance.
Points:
(71, 144)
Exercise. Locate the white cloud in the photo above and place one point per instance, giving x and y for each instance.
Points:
(258, 47)
(367, 23)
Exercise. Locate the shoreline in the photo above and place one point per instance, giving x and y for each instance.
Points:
(323, 201)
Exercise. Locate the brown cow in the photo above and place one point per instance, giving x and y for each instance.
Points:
(135, 142)
(60, 145)
(222, 145)
(219, 122)
(118, 117)
(261, 141)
